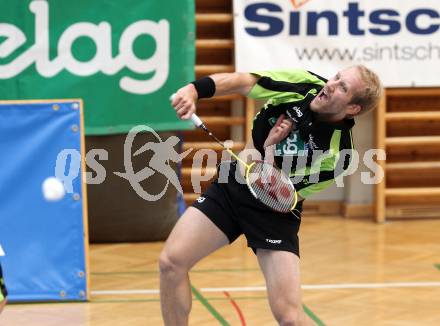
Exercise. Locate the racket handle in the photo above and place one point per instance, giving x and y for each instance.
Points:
(196, 120)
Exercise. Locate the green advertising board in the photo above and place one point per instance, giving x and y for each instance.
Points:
(123, 58)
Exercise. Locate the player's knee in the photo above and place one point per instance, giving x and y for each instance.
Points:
(288, 317)
(290, 320)
(170, 264)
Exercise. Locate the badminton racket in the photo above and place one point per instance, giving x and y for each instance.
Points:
(266, 182)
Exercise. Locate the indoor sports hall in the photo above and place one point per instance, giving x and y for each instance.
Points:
(117, 120)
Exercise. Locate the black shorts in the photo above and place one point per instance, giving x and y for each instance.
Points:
(233, 209)
(3, 292)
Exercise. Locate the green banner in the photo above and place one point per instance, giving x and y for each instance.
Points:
(123, 58)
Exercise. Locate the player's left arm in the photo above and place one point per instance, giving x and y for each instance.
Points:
(279, 131)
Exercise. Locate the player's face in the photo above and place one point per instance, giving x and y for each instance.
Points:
(333, 101)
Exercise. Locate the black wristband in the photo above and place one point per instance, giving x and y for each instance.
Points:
(205, 87)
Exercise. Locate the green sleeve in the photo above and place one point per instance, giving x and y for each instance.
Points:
(315, 188)
(279, 80)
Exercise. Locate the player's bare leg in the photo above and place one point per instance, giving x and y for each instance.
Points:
(193, 238)
(282, 274)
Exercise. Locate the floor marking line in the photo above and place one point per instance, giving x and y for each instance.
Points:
(313, 316)
(333, 286)
(158, 300)
(304, 287)
(236, 308)
(235, 289)
(371, 285)
(209, 307)
(122, 292)
(210, 270)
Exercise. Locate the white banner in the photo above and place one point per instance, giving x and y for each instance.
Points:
(399, 39)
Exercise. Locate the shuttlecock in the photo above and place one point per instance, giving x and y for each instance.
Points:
(53, 189)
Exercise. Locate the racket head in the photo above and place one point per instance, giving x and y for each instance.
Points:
(271, 186)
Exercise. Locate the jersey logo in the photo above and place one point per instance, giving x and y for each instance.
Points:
(274, 241)
(298, 111)
(311, 144)
(292, 145)
(200, 199)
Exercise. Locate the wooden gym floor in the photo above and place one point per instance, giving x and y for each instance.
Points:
(354, 273)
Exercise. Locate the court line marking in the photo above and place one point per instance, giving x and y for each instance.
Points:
(236, 308)
(158, 300)
(304, 287)
(315, 318)
(334, 286)
(211, 270)
(306, 309)
(199, 297)
(122, 292)
(209, 307)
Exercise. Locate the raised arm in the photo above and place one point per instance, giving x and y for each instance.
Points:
(184, 101)
(233, 83)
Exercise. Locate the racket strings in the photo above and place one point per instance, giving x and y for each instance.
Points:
(271, 187)
(267, 183)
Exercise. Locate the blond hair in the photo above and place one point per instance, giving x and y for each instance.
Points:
(370, 95)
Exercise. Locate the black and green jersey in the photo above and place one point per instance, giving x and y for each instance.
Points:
(3, 292)
(313, 155)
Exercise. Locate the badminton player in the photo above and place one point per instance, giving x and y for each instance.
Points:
(306, 122)
(3, 292)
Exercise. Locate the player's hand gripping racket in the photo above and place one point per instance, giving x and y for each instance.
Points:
(266, 182)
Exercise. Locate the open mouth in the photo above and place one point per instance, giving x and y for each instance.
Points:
(323, 95)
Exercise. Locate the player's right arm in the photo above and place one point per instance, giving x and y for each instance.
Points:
(184, 101)
(234, 83)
